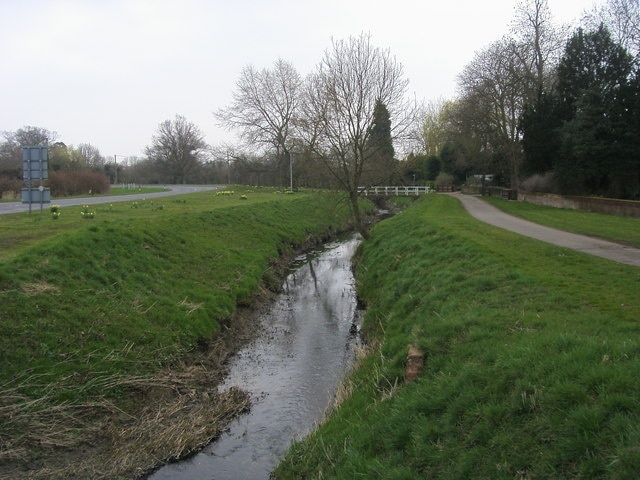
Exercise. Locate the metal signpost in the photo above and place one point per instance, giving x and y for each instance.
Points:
(35, 167)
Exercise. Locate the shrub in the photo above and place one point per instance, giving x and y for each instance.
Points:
(444, 178)
(9, 184)
(539, 183)
(63, 184)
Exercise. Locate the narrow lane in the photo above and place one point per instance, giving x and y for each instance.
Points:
(487, 213)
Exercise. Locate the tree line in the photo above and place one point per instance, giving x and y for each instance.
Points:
(544, 108)
(338, 126)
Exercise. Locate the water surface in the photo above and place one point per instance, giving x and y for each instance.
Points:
(291, 371)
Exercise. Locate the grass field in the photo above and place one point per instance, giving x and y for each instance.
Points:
(134, 190)
(625, 230)
(532, 354)
(94, 303)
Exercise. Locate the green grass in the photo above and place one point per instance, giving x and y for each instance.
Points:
(625, 230)
(532, 355)
(131, 191)
(139, 285)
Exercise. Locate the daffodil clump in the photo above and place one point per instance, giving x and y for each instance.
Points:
(87, 213)
(55, 211)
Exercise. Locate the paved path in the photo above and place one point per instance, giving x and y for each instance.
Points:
(16, 207)
(489, 214)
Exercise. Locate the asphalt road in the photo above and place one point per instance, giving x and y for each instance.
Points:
(487, 213)
(17, 207)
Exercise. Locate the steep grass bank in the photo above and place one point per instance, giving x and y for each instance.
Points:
(98, 314)
(531, 360)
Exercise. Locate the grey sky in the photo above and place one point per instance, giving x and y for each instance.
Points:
(107, 72)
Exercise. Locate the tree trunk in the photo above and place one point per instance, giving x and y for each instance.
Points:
(357, 216)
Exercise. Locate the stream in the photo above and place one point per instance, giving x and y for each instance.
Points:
(291, 371)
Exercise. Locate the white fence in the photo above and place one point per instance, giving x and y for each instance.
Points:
(404, 191)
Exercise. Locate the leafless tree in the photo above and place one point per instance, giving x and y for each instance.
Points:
(622, 18)
(497, 84)
(231, 156)
(263, 108)
(339, 109)
(540, 40)
(177, 149)
(86, 154)
(11, 147)
(31, 136)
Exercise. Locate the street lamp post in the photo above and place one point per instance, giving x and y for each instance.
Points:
(290, 172)
(115, 159)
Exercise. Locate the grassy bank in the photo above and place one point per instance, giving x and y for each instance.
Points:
(100, 312)
(625, 230)
(531, 360)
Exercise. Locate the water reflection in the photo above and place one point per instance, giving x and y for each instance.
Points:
(291, 372)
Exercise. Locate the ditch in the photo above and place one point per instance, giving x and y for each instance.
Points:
(291, 371)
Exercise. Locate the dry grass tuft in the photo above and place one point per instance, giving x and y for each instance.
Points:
(345, 388)
(177, 413)
(190, 306)
(170, 432)
(39, 287)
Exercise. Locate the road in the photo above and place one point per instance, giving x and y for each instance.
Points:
(487, 213)
(17, 207)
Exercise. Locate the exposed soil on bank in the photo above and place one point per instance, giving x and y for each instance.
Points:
(162, 418)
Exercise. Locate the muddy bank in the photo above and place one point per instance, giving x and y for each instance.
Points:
(161, 418)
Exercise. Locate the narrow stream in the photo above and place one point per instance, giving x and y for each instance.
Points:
(291, 371)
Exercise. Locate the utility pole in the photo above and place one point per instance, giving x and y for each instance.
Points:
(290, 172)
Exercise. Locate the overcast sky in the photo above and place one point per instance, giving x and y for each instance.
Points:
(107, 72)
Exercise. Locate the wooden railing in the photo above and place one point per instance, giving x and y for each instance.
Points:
(404, 191)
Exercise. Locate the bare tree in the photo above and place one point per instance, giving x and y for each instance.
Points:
(85, 155)
(496, 82)
(468, 147)
(622, 18)
(263, 108)
(339, 107)
(90, 155)
(231, 156)
(31, 136)
(541, 42)
(177, 149)
(11, 148)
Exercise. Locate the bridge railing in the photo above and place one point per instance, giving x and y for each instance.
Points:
(394, 191)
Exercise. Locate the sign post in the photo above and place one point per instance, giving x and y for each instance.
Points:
(35, 167)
